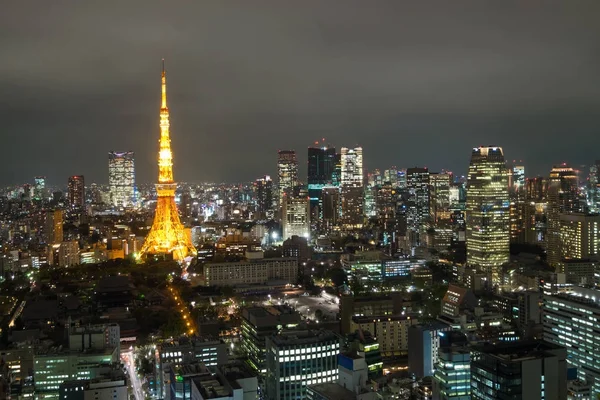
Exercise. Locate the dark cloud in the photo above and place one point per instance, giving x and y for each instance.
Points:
(414, 83)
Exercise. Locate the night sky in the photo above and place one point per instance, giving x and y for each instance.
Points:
(414, 84)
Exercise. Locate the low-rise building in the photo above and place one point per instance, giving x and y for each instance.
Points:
(253, 270)
(391, 332)
(106, 387)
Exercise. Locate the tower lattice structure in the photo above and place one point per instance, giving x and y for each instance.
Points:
(167, 235)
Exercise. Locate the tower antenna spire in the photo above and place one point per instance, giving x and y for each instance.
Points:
(164, 86)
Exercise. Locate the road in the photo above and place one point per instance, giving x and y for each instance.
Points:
(183, 309)
(129, 362)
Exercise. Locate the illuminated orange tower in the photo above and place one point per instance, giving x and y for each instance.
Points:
(167, 235)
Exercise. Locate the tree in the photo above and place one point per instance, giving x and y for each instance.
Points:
(318, 314)
(337, 276)
(356, 286)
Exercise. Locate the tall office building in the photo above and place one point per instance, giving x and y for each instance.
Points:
(121, 178)
(525, 370)
(76, 192)
(296, 215)
(439, 196)
(563, 198)
(487, 211)
(517, 207)
(287, 172)
(352, 192)
(321, 170)
(391, 176)
(352, 166)
(417, 183)
(535, 225)
(594, 188)
(263, 192)
(53, 229)
(39, 187)
(298, 359)
(330, 207)
(579, 236)
(516, 177)
(571, 320)
(536, 189)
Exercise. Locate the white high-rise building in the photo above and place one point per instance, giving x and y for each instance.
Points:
(352, 166)
(121, 178)
(296, 216)
(571, 320)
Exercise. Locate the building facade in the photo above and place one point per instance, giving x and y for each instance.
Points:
(322, 163)
(76, 194)
(297, 359)
(571, 320)
(121, 178)
(525, 370)
(263, 192)
(258, 323)
(287, 173)
(251, 271)
(296, 216)
(487, 211)
(563, 198)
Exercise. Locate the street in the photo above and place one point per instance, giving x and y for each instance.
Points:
(129, 362)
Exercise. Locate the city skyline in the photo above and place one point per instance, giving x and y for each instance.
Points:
(422, 92)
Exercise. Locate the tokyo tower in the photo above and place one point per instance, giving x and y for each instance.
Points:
(167, 236)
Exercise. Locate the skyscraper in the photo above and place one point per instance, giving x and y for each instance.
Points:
(287, 171)
(53, 230)
(321, 170)
(76, 192)
(439, 196)
(296, 215)
(121, 178)
(167, 235)
(263, 191)
(579, 237)
(594, 188)
(487, 211)
(516, 177)
(417, 182)
(39, 187)
(563, 198)
(352, 166)
(517, 208)
(352, 194)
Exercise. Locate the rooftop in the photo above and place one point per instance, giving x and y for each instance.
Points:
(332, 390)
(213, 386)
(519, 351)
(271, 316)
(292, 338)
